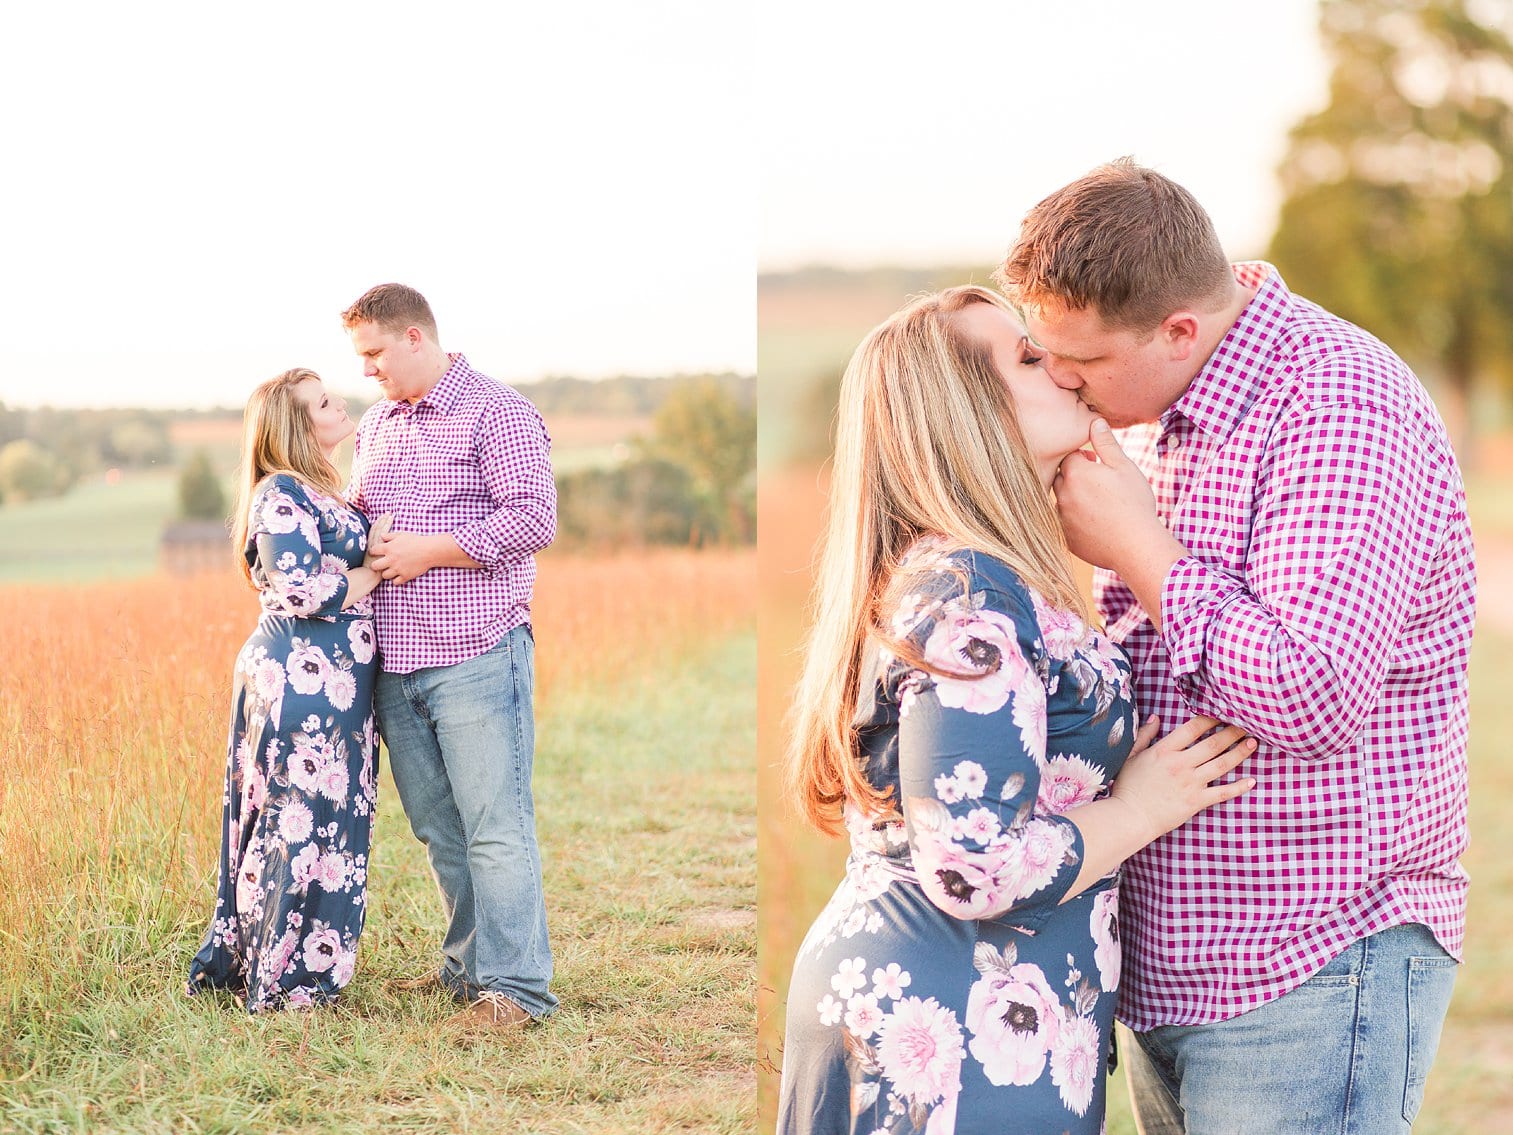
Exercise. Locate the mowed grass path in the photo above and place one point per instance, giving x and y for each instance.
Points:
(112, 733)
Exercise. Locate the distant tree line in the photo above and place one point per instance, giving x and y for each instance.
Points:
(689, 480)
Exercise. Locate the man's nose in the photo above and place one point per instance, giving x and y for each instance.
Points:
(1062, 373)
(368, 369)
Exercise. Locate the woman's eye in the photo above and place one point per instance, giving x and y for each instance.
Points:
(1030, 360)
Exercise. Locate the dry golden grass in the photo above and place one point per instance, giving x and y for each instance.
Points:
(116, 696)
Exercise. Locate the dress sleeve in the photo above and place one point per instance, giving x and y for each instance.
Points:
(287, 564)
(970, 755)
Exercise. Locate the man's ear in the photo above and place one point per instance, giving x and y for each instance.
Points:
(1179, 331)
(413, 336)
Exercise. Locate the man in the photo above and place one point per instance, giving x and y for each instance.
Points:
(1285, 547)
(460, 462)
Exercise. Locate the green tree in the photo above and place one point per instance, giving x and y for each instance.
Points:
(706, 429)
(201, 496)
(30, 472)
(1398, 195)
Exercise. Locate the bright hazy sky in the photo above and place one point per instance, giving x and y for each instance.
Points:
(194, 191)
(896, 132)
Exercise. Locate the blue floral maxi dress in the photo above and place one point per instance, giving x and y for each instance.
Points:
(946, 987)
(301, 776)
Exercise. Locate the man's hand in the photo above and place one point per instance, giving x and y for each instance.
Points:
(1109, 516)
(402, 556)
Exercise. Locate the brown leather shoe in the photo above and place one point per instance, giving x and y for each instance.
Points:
(424, 983)
(491, 1011)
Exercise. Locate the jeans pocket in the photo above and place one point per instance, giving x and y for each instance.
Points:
(1430, 982)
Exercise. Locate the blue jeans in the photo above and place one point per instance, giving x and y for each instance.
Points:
(1345, 1053)
(461, 740)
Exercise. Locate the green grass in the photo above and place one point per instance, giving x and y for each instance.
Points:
(96, 531)
(645, 809)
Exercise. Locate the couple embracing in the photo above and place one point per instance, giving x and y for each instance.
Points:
(1229, 812)
(397, 606)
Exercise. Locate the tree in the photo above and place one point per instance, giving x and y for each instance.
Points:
(201, 496)
(1398, 209)
(29, 472)
(704, 428)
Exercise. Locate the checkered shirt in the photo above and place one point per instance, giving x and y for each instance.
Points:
(1326, 605)
(469, 458)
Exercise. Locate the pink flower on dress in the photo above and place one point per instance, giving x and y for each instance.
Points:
(891, 981)
(1030, 716)
(331, 871)
(322, 946)
(1077, 1062)
(304, 866)
(862, 1014)
(981, 643)
(295, 822)
(254, 789)
(1105, 927)
(980, 824)
(1014, 1019)
(957, 881)
(850, 976)
(283, 954)
(249, 880)
(948, 789)
(268, 680)
(1067, 782)
(307, 668)
(341, 688)
(346, 964)
(1061, 630)
(278, 513)
(920, 1050)
(830, 1010)
(332, 782)
(306, 764)
(971, 778)
(1044, 845)
(360, 640)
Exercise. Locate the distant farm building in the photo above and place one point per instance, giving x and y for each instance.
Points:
(188, 547)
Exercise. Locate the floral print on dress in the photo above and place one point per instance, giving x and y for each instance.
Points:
(302, 763)
(947, 986)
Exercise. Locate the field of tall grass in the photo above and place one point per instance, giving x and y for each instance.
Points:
(112, 755)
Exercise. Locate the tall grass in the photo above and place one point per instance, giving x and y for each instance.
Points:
(113, 726)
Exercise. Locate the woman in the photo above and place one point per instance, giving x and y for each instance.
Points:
(301, 773)
(964, 722)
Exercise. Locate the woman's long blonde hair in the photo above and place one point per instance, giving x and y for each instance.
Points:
(277, 437)
(927, 442)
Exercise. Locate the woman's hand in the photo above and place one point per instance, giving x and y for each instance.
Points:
(376, 533)
(1169, 782)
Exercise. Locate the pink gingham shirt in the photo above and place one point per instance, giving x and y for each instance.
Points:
(470, 458)
(1325, 605)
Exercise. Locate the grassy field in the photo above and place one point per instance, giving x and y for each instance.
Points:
(806, 337)
(112, 734)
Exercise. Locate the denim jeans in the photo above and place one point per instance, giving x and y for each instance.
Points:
(461, 740)
(1345, 1053)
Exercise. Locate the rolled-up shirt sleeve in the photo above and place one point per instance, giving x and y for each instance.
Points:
(514, 457)
(1297, 650)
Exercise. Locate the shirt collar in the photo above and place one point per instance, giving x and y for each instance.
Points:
(1230, 381)
(441, 397)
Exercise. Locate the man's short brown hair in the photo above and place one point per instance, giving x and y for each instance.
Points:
(1123, 240)
(392, 307)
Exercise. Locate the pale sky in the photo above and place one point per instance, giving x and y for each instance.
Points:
(893, 132)
(194, 191)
